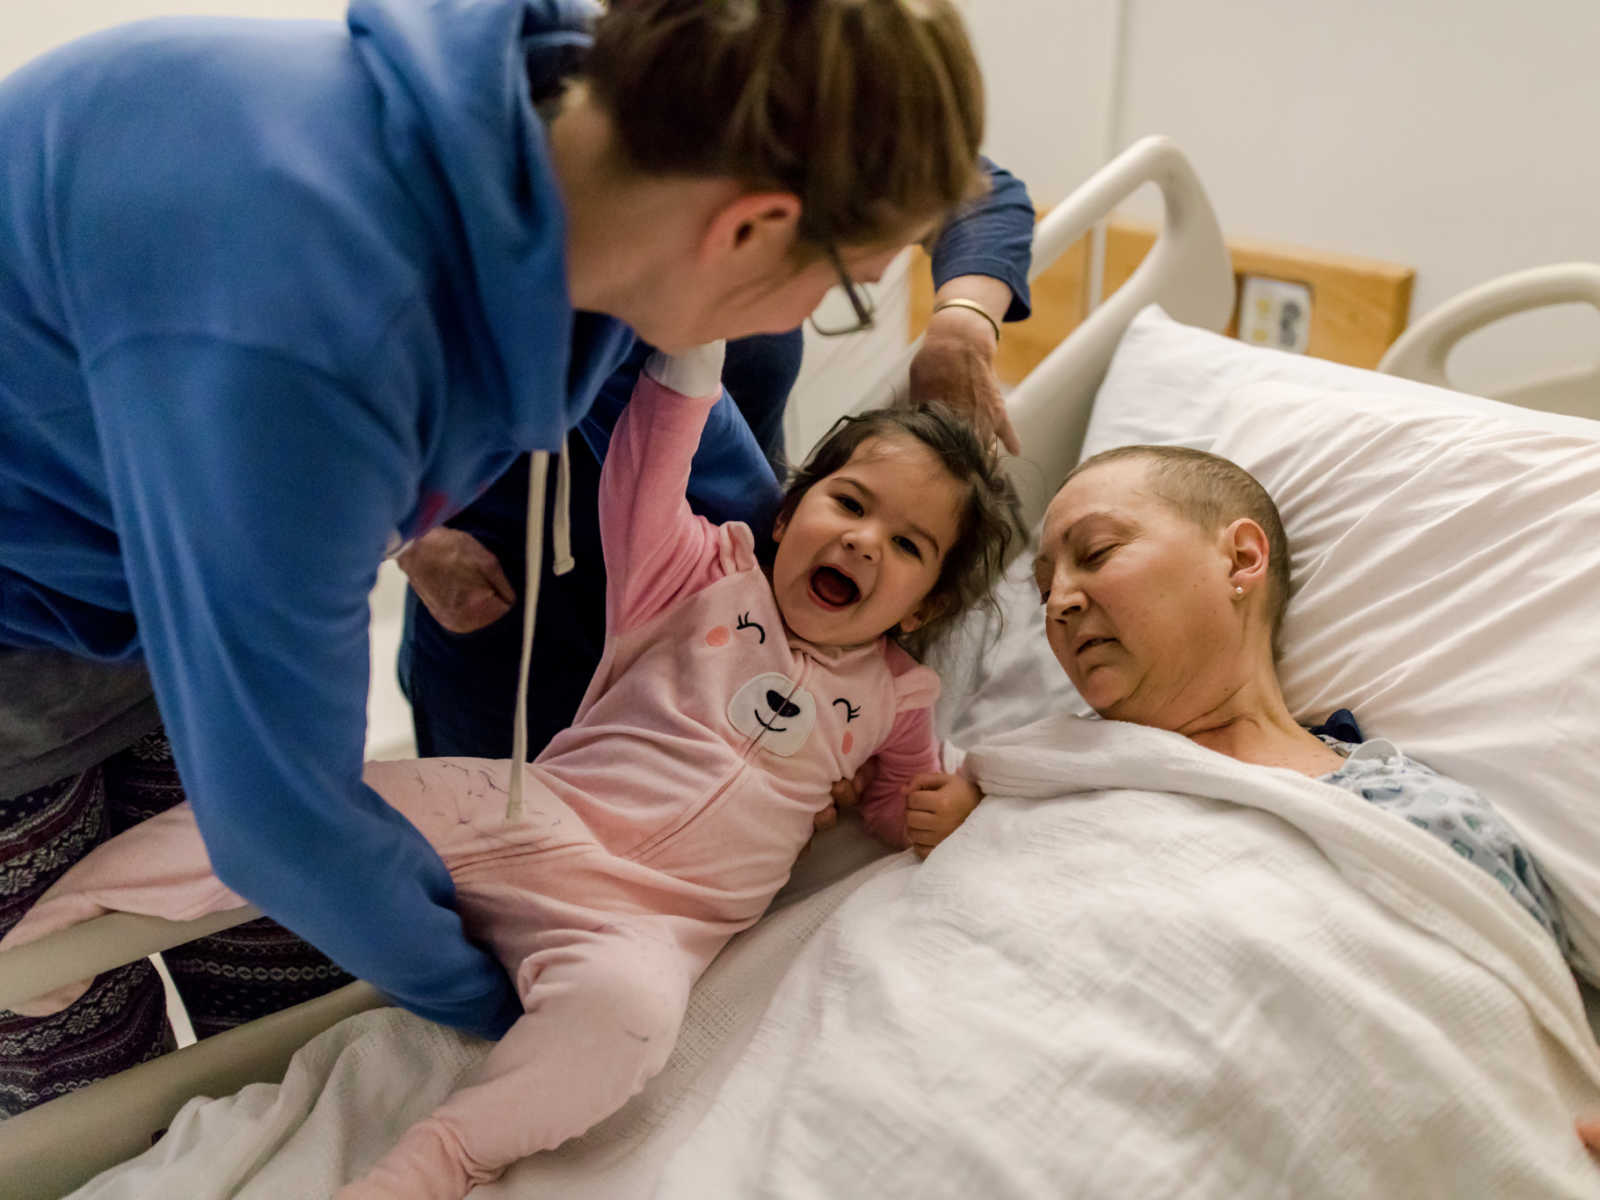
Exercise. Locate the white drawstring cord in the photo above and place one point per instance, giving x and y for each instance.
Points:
(538, 470)
(533, 547)
(562, 530)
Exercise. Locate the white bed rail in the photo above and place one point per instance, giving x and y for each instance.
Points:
(50, 1150)
(98, 945)
(1422, 351)
(1187, 272)
(43, 1152)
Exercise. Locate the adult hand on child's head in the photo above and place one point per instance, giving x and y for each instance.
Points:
(955, 365)
(935, 807)
(459, 581)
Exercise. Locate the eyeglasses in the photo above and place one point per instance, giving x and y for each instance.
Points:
(829, 320)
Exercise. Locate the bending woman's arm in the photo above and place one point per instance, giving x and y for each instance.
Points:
(251, 538)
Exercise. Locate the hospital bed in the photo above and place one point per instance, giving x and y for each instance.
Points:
(1159, 376)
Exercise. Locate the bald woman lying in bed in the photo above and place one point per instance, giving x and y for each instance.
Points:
(1164, 574)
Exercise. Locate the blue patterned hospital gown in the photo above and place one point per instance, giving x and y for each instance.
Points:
(1451, 811)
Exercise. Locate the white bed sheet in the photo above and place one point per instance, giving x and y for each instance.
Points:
(1144, 969)
(1110, 975)
(351, 1092)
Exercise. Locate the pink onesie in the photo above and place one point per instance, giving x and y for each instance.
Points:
(656, 827)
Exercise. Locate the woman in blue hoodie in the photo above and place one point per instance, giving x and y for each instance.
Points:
(278, 297)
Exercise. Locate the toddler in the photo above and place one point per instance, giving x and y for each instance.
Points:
(731, 696)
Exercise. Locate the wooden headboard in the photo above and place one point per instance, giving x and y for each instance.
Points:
(1359, 305)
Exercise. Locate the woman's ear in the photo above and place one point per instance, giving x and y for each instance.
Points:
(756, 228)
(1249, 554)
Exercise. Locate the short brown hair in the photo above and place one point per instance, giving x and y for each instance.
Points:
(869, 111)
(1212, 492)
(977, 558)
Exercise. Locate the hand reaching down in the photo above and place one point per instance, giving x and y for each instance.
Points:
(956, 364)
(457, 578)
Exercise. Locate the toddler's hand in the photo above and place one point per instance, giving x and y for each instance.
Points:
(1589, 1133)
(848, 793)
(935, 807)
(845, 793)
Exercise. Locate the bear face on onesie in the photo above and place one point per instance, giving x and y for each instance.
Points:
(710, 738)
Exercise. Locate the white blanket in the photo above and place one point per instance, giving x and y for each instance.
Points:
(1172, 991)
(1140, 969)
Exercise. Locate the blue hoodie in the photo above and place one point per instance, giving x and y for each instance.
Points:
(275, 296)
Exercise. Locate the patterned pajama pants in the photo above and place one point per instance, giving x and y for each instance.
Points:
(225, 980)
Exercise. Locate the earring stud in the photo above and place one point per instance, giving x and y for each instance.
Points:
(1237, 590)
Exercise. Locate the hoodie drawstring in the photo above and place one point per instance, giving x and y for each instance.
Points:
(562, 530)
(561, 534)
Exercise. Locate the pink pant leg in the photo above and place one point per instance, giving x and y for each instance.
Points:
(158, 868)
(603, 1008)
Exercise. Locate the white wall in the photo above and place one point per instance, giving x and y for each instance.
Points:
(1049, 67)
(1454, 136)
(29, 27)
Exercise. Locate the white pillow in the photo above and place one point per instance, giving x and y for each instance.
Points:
(995, 666)
(1445, 562)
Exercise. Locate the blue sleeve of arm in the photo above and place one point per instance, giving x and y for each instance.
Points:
(993, 237)
(253, 497)
(730, 478)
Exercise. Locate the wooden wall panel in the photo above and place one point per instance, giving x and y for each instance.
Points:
(1358, 305)
(1059, 296)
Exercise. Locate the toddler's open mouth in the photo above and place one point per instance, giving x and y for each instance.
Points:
(832, 588)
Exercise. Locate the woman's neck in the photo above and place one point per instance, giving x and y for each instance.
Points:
(1254, 725)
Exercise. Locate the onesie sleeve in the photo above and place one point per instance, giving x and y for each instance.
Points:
(911, 749)
(655, 548)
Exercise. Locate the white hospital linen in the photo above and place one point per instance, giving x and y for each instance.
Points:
(1144, 969)
(1140, 969)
